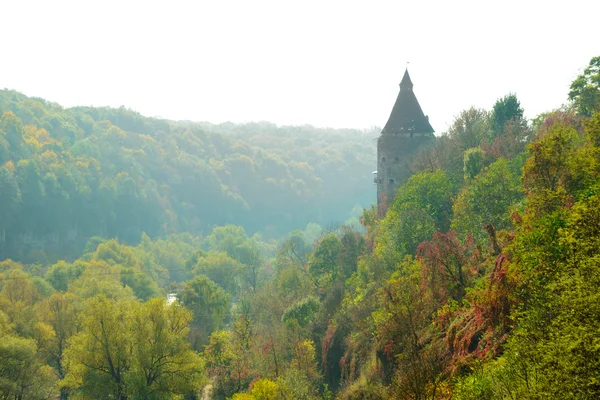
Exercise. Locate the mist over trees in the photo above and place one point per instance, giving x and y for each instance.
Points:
(148, 259)
(71, 174)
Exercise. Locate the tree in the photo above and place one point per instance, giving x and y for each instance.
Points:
(431, 192)
(505, 109)
(127, 349)
(546, 172)
(411, 362)
(448, 265)
(219, 268)
(21, 294)
(301, 313)
(99, 278)
(128, 208)
(4, 149)
(487, 199)
(423, 205)
(470, 128)
(60, 274)
(12, 127)
(32, 194)
(473, 161)
(60, 312)
(253, 262)
(10, 201)
(164, 362)
(209, 304)
(58, 201)
(446, 154)
(266, 389)
(292, 276)
(233, 240)
(99, 358)
(138, 271)
(323, 264)
(553, 352)
(585, 89)
(22, 375)
(228, 362)
(228, 238)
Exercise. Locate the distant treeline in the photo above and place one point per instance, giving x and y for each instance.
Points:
(69, 174)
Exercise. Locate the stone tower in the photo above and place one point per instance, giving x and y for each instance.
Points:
(406, 131)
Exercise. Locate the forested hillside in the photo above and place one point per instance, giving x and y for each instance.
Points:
(69, 174)
(479, 280)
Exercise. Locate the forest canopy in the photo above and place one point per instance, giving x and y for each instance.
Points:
(70, 174)
(479, 280)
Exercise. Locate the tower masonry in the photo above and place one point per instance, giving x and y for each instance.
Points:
(405, 133)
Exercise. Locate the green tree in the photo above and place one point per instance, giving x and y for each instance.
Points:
(12, 127)
(266, 389)
(127, 349)
(228, 363)
(59, 312)
(219, 268)
(301, 313)
(127, 209)
(292, 276)
(22, 375)
(323, 263)
(99, 358)
(505, 109)
(137, 269)
(10, 201)
(233, 240)
(423, 205)
(470, 128)
(99, 278)
(431, 192)
(209, 304)
(60, 274)
(20, 294)
(473, 162)
(32, 194)
(585, 90)
(228, 238)
(164, 362)
(487, 199)
(57, 200)
(4, 149)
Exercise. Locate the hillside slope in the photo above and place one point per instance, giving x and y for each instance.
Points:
(69, 174)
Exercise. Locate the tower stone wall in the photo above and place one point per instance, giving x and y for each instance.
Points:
(395, 155)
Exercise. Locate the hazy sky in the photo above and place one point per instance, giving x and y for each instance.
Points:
(326, 63)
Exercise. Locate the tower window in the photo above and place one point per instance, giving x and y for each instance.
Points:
(396, 159)
(391, 181)
(382, 159)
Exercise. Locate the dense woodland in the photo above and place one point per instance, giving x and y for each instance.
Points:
(148, 259)
(70, 174)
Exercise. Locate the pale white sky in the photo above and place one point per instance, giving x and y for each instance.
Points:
(326, 63)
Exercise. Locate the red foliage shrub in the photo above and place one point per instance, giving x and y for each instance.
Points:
(448, 265)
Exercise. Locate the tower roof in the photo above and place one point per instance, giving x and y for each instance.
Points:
(406, 83)
(407, 116)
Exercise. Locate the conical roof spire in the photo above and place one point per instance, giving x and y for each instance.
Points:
(407, 116)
